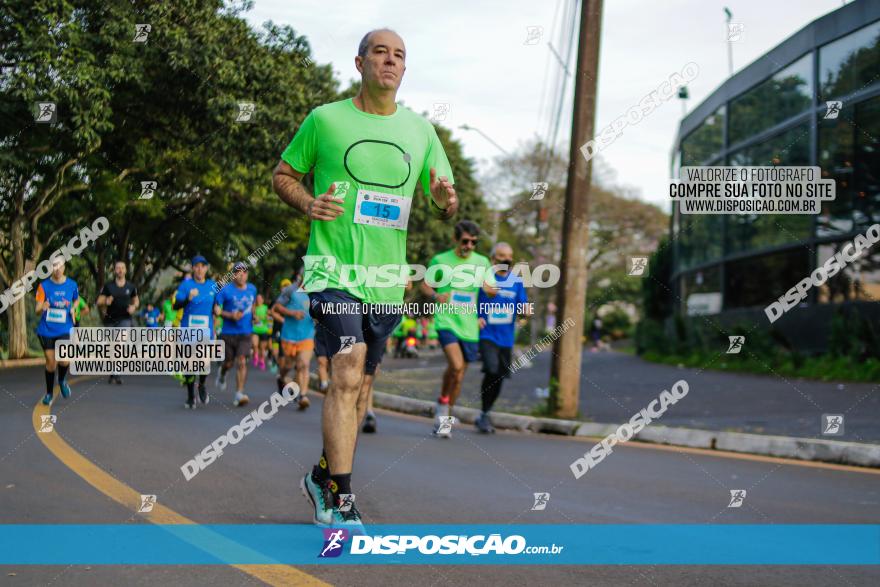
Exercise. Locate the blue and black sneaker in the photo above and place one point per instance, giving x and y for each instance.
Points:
(319, 495)
(65, 389)
(350, 520)
(47, 399)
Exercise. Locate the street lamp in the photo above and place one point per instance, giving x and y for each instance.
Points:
(485, 136)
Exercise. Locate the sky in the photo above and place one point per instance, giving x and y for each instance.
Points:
(479, 58)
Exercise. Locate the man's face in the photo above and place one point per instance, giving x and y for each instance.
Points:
(200, 270)
(503, 256)
(119, 270)
(240, 277)
(259, 299)
(384, 64)
(466, 244)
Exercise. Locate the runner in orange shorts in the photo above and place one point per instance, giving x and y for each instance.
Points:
(297, 338)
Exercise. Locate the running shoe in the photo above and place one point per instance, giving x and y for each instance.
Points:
(320, 497)
(110, 380)
(441, 411)
(303, 402)
(262, 365)
(118, 379)
(241, 399)
(322, 387)
(484, 425)
(350, 520)
(65, 389)
(369, 423)
(221, 380)
(203, 394)
(190, 405)
(273, 368)
(47, 399)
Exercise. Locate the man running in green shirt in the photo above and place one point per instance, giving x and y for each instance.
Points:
(456, 320)
(368, 154)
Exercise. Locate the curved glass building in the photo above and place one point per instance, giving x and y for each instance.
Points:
(776, 112)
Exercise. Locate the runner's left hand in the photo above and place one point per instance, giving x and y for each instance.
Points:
(443, 194)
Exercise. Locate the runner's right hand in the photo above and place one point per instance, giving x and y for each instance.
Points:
(482, 323)
(193, 293)
(325, 207)
(442, 298)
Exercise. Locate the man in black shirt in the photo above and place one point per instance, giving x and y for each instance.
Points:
(118, 302)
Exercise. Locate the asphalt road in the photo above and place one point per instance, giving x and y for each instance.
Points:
(139, 434)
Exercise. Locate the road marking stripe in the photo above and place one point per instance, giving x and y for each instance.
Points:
(276, 575)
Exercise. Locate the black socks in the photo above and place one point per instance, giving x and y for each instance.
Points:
(50, 381)
(340, 484)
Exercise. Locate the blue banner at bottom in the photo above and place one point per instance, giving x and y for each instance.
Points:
(473, 544)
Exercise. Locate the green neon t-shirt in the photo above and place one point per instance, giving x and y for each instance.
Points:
(262, 314)
(376, 162)
(168, 311)
(463, 286)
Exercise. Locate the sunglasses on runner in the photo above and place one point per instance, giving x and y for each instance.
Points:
(507, 262)
(469, 241)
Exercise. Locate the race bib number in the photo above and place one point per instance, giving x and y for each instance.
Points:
(57, 315)
(462, 297)
(199, 321)
(500, 316)
(383, 210)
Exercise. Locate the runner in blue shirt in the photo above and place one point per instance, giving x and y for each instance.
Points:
(196, 296)
(56, 300)
(151, 316)
(235, 304)
(297, 338)
(497, 317)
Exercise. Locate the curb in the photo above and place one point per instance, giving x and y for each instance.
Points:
(804, 449)
(12, 363)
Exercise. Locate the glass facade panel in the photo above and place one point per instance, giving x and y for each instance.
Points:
(755, 231)
(784, 95)
(705, 142)
(849, 153)
(848, 64)
(757, 281)
(699, 239)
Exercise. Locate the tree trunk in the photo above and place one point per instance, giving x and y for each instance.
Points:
(18, 348)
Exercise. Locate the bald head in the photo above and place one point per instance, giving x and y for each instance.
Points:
(364, 45)
(381, 60)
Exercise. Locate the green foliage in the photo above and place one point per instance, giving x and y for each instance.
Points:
(615, 323)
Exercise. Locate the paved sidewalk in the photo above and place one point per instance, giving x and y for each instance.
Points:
(616, 385)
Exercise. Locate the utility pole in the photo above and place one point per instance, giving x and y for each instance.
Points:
(571, 298)
(728, 18)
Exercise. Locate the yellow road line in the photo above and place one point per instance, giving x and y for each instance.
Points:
(276, 575)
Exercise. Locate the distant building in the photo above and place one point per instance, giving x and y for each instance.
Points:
(773, 112)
